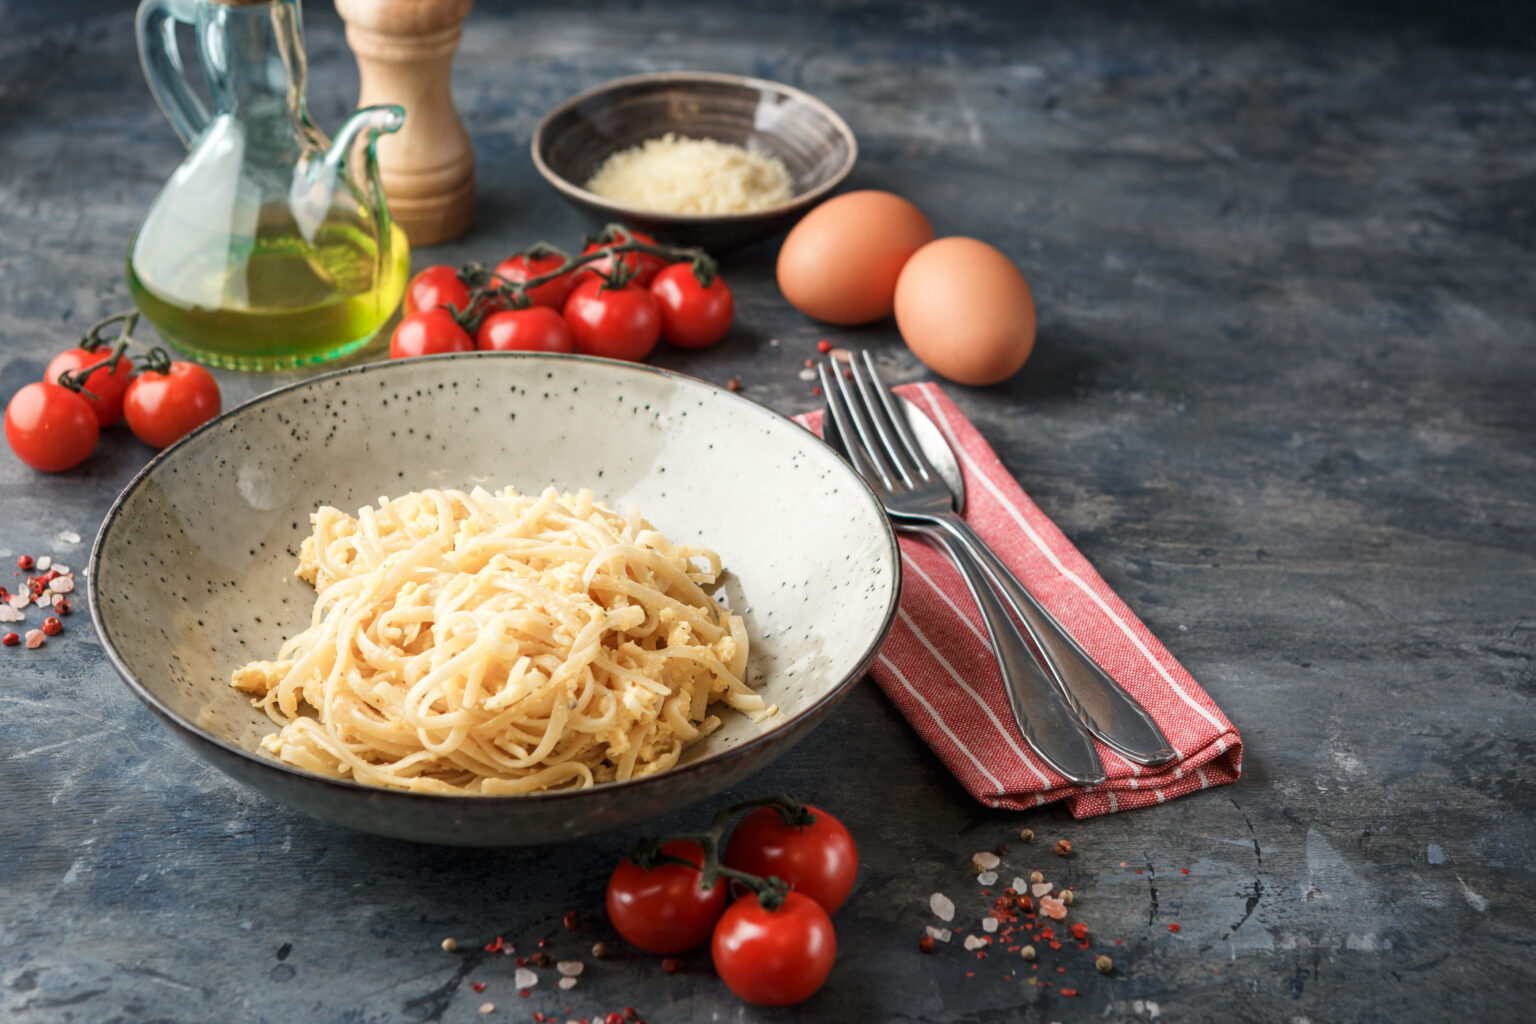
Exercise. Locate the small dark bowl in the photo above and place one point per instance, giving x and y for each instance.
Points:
(817, 147)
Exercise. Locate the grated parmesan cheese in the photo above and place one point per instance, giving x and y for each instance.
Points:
(679, 175)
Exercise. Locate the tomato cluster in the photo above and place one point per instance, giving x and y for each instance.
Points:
(770, 946)
(617, 298)
(53, 424)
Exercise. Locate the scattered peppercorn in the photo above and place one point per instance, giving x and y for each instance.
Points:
(1103, 964)
(11, 639)
(1027, 835)
(734, 384)
(1063, 847)
(614, 1018)
(570, 920)
(1035, 878)
(1067, 897)
(671, 964)
(1079, 931)
(630, 1013)
(542, 959)
(24, 562)
(62, 607)
(823, 346)
(478, 986)
(1173, 927)
(1028, 952)
(450, 944)
(925, 943)
(599, 950)
(1001, 849)
(52, 626)
(1068, 992)
(494, 947)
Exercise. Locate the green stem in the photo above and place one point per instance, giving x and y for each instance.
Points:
(770, 891)
(617, 240)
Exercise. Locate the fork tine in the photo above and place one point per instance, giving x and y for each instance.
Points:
(898, 419)
(883, 414)
(864, 428)
(843, 419)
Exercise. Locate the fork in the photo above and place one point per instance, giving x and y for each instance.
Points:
(912, 496)
(917, 495)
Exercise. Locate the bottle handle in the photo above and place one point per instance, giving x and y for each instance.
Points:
(160, 57)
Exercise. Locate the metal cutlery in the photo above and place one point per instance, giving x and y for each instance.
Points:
(1046, 722)
(904, 462)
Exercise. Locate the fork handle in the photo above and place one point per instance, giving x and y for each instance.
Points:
(1048, 725)
(1104, 706)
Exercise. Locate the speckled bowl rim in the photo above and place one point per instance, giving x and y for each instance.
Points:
(171, 718)
(625, 210)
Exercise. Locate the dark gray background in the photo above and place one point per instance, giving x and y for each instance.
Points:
(1282, 399)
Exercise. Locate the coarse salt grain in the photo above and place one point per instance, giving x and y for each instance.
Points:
(570, 968)
(44, 562)
(1019, 885)
(487, 1007)
(989, 925)
(19, 601)
(942, 906)
(9, 614)
(986, 860)
(1041, 888)
(35, 639)
(567, 983)
(524, 978)
(67, 537)
(987, 877)
(941, 934)
(61, 585)
(807, 374)
(974, 942)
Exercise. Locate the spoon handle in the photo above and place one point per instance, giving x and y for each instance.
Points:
(1048, 725)
(1104, 706)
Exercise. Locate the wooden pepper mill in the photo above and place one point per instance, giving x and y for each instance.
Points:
(404, 51)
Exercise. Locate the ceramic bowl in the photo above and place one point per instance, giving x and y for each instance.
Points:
(192, 572)
(817, 147)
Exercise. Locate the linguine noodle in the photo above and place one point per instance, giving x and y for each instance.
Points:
(479, 643)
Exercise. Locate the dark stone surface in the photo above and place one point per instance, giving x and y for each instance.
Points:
(1282, 398)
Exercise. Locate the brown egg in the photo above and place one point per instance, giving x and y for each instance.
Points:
(965, 311)
(840, 263)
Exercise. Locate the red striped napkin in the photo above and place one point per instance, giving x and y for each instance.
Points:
(939, 671)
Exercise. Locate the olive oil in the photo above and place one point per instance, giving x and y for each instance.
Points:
(273, 299)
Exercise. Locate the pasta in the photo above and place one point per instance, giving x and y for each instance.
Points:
(480, 643)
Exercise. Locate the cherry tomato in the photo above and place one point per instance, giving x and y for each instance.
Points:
(427, 334)
(692, 316)
(162, 408)
(818, 860)
(649, 265)
(535, 329)
(434, 287)
(50, 428)
(774, 957)
(551, 293)
(620, 323)
(666, 909)
(107, 384)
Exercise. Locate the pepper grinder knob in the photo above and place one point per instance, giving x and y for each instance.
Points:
(404, 51)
